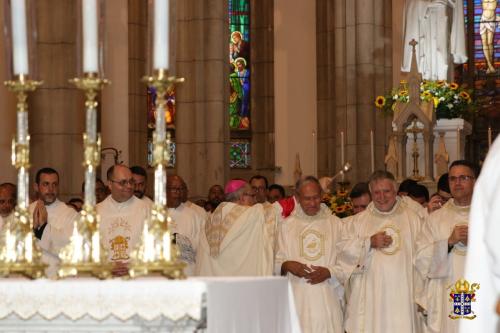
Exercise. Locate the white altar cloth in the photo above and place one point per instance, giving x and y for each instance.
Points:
(148, 304)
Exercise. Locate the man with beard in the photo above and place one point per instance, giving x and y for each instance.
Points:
(141, 182)
(52, 219)
(215, 197)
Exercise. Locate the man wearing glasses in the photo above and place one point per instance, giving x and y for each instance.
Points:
(448, 248)
(122, 218)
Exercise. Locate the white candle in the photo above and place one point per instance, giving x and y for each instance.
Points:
(19, 37)
(489, 136)
(342, 152)
(458, 144)
(161, 16)
(372, 150)
(90, 36)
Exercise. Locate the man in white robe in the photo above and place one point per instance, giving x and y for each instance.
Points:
(483, 255)
(309, 243)
(122, 218)
(382, 288)
(445, 254)
(52, 219)
(8, 196)
(185, 221)
(428, 22)
(237, 239)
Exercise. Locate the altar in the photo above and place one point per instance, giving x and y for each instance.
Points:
(148, 305)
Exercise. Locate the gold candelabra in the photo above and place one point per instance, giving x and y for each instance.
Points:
(20, 254)
(85, 255)
(155, 253)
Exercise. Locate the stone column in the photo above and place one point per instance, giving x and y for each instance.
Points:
(56, 116)
(295, 87)
(7, 114)
(201, 120)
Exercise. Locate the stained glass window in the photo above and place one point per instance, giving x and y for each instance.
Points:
(239, 154)
(169, 119)
(239, 64)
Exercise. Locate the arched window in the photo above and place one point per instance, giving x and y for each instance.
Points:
(239, 83)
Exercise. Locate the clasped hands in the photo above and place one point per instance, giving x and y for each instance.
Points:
(459, 234)
(40, 215)
(380, 240)
(313, 274)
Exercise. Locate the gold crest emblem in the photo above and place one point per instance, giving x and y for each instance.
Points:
(461, 296)
(119, 248)
(312, 245)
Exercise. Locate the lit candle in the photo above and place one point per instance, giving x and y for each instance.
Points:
(90, 39)
(372, 150)
(489, 136)
(19, 37)
(161, 16)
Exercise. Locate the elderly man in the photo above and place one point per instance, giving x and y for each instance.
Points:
(238, 238)
(308, 246)
(186, 221)
(445, 254)
(52, 218)
(122, 218)
(8, 196)
(382, 288)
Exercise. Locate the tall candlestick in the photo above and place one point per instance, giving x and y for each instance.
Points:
(90, 36)
(458, 144)
(315, 158)
(489, 136)
(372, 150)
(19, 37)
(342, 151)
(161, 34)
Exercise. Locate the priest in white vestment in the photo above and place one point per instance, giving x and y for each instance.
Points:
(309, 244)
(438, 36)
(52, 219)
(445, 255)
(483, 255)
(383, 287)
(122, 218)
(237, 239)
(185, 221)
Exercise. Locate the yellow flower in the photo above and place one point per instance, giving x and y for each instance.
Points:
(426, 95)
(403, 93)
(380, 102)
(465, 95)
(453, 86)
(440, 83)
(436, 102)
(340, 209)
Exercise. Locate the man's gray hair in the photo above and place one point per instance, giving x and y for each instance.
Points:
(236, 195)
(381, 175)
(307, 180)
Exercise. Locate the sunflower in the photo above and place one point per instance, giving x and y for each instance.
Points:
(340, 209)
(453, 86)
(436, 101)
(403, 93)
(380, 102)
(465, 95)
(426, 95)
(440, 83)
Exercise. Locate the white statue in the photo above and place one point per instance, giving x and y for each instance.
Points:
(438, 36)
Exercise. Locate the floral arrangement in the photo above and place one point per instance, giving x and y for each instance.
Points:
(450, 100)
(339, 204)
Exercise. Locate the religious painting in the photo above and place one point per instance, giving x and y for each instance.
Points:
(169, 121)
(239, 64)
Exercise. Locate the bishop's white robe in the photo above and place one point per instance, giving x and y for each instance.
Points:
(483, 255)
(317, 240)
(57, 233)
(187, 222)
(441, 267)
(121, 226)
(237, 241)
(383, 287)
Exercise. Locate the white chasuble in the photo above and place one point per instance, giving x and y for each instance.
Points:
(383, 288)
(236, 241)
(317, 240)
(57, 233)
(443, 267)
(121, 226)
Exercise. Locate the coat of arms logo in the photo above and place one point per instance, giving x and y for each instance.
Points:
(462, 295)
